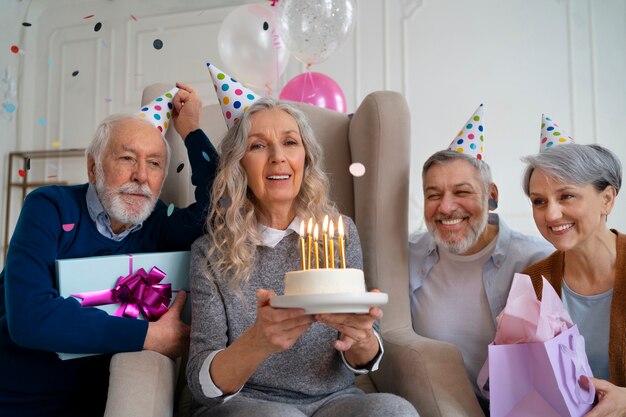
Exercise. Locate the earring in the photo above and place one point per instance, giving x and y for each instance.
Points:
(493, 204)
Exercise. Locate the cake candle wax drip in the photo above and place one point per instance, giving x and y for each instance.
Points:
(341, 243)
(316, 247)
(325, 240)
(309, 238)
(331, 249)
(302, 248)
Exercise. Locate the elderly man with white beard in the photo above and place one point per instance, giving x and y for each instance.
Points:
(117, 212)
(462, 268)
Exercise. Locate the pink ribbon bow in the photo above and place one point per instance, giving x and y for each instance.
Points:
(138, 292)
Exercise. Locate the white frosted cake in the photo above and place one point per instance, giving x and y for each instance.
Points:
(324, 281)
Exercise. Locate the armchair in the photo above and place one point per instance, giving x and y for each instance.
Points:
(430, 374)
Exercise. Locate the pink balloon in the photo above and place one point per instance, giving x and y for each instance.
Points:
(315, 88)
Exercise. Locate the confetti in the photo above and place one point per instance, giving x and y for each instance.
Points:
(357, 169)
(97, 27)
(180, 167)
(170, 209)
(158, 44)
(53, 166)
(49, 62)
(108, 100)
(9, 107)
(51, 176)
(75, 73)
(15, 49)
(68, 227)
(104, 43)
(26, 24)
(56, 144)
(21, 173)
(206, 156)
(27, 164)
(42, 121)
(133, 17)
(89, 16)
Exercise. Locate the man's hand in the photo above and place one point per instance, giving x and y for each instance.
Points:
(186, 111)
(168, 335)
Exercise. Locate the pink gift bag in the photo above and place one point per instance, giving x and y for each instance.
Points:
(536, 359)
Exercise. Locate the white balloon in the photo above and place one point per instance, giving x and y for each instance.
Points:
(250, 46)
(314, 29)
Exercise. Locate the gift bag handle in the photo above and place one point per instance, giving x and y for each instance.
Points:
(578, 358)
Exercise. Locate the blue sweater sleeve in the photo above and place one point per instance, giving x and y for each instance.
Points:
(37, 317)
(182, 226)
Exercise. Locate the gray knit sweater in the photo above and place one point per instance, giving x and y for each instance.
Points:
(310, 370)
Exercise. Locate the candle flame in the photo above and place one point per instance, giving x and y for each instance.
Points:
(331, 230)
(325, 224)
(309, 228)
(302, 228)
(340, 226)
(315, 232)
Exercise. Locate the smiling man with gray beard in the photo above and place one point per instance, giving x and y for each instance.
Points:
(462, 268)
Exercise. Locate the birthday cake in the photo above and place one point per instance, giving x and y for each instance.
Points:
(324, 281)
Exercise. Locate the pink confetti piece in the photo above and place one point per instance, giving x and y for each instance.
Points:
(133, 17)
(89, 16)
(357, 169)
(68, 227)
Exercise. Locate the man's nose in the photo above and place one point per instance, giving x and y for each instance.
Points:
(448, 203)
(140, 172)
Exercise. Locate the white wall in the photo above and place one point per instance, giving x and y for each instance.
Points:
(521, 58)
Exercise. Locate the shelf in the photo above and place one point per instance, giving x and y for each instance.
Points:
(24, 184)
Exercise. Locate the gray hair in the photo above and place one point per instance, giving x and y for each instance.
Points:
(448, 156)
(103, 133)
(232, 219)
(576, 164)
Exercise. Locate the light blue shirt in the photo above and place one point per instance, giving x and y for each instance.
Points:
(514, 251)
(591, 313)
(101, 218)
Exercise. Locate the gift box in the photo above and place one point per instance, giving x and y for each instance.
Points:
(94, 279)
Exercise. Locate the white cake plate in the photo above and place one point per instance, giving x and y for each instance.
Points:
(331, 303)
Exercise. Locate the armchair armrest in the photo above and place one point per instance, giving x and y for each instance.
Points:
(428, 373)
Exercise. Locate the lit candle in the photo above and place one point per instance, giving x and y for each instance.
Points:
(331, 233)
(341, 243)
(317, 256)
(309, 239)
(325, 240)
(302, 253)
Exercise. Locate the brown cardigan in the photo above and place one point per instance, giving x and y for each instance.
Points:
(552, 269)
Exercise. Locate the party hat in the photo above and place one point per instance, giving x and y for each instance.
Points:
(159, 111)
(552, 135)
(470, 139)
(233, 96)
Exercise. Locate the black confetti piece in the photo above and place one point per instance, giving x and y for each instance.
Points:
(158, 44)
(97, 27)
(26, 24)
(75, 73)
(180, 168)
(27, 164)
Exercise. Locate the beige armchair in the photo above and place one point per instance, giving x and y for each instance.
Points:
(428, 373)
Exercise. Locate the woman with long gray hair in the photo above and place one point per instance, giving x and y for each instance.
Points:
(572, 189)
(246, 357)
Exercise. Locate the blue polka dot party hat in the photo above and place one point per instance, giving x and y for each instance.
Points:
(470, 139)
(159, 111)
(234, 98)
(552, 135)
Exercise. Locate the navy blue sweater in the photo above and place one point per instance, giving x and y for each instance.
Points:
(35, 322)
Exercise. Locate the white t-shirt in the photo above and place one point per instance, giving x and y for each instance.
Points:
(452, 306)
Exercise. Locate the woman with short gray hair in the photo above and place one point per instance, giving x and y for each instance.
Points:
(572, 189)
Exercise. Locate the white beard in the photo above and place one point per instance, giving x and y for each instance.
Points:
(116, 205)
(462, 245)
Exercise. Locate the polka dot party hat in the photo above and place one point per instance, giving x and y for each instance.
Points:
(470, 140)
(552, 135)
(233, 96)
(159, 111)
